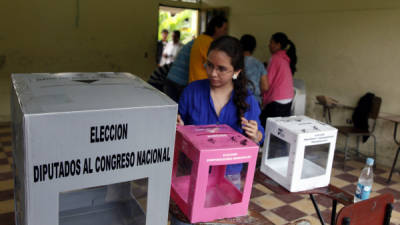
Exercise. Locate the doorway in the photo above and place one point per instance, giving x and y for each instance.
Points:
(182, 19)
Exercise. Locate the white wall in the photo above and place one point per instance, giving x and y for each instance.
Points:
(43, 36)
(345, 49)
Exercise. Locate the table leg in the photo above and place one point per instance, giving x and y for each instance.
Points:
(317, 210)
(393, 166)
(329, 116)
(397, 153)
(333, 214)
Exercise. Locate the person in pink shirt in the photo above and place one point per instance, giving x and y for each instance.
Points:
(277, 87)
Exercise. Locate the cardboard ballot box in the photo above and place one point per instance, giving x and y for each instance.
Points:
(91, 148)
(298, 152)
(213, 172)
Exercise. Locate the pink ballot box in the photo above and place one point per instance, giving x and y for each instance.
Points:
(212, 172)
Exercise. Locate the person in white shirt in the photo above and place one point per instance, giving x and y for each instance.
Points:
(171, 49)
(161, 45)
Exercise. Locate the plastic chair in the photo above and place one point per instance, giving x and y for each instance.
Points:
(373, 211)
(351, 131)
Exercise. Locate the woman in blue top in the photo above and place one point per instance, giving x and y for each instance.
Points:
(223, 98)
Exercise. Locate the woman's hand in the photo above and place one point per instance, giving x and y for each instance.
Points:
(250, 128)
(179, 121)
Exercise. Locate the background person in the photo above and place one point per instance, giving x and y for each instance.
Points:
(171, 49)
(277, 88)
(160, 45)
(253, 67)
(178, 75)
(217, 27)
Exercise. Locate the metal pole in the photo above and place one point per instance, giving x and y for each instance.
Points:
(317, 209)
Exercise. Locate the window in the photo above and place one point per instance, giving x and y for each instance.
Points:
(120, 203)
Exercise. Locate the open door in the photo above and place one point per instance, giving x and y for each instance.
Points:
(207, 13)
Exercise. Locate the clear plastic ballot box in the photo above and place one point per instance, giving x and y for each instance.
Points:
(298, 152)
(91, 148)
(213, 172)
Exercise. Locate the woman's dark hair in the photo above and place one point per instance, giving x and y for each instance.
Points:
(248, 43)
(216, 21)
(231, 46)
(291, 50)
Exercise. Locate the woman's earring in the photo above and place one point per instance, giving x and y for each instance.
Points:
(235, 76)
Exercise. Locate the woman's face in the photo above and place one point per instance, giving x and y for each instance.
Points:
(219, 69)
(274, 46)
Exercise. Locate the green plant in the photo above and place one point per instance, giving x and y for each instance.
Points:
(181, 21)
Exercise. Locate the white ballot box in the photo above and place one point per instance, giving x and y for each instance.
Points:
(298, 152)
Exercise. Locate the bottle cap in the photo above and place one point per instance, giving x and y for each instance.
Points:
(370, 161)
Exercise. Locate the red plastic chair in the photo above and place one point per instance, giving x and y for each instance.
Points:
(374, 211)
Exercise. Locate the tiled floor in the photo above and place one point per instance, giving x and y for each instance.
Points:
(284, 209)
(278, 209)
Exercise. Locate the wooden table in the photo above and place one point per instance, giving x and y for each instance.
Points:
(327, 110)
(385, 116)
(253, 218)
(396, 120)
(331, 191)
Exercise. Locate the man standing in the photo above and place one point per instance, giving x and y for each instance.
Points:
(171, 49)
(160, 45)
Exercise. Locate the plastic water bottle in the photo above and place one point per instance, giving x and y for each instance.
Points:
(365, 182)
